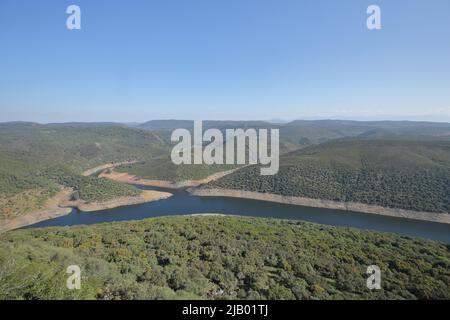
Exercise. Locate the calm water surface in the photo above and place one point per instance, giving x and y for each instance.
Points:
(182, 203)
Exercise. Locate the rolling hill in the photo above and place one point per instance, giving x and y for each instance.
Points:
(219, 258)
(406, 174)
(36, 160)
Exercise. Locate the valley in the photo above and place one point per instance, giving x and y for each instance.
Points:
(365, 166)
(224, 154)
(108, 197)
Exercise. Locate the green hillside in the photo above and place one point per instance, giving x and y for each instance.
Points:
(219, 258)
(301, 133)
(293, 136)
(412, 175)
(413, 178)
(89, 189)
(164, 169)
(78, 146)
(27, 191)
(35, 160)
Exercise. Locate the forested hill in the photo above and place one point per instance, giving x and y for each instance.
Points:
(393, 153)
(78, 146)
(35, 160)
(407, 174)
(293, 136)
(301, 133)
(219, 258)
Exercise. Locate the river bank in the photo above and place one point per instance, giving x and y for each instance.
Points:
(51, 210)
(61, 204)
(59, 207)
(301, 201)
(131, 179)
(32, 218)
(326, 204)
(144, 197)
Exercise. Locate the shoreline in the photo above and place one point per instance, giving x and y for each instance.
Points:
(133, 180)
(33, 218)
(325, 204)
(62, 206)
(145, 197)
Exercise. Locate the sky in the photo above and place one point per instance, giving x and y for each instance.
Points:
(134, 61)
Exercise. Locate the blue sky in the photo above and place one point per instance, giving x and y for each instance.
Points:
(224, 59)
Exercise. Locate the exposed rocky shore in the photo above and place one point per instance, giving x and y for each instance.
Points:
(144, 197)
(33, 218)
(321, 203)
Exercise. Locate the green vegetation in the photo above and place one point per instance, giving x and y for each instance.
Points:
(35, 160)
(164, 169)
(413, 175)
(302, 133)
(91, 189)
(79, 146)
(393, 164)
(18, 175)
(219, 258)
(24, 202)
(28, 150)
(24, 192)
(293, 136)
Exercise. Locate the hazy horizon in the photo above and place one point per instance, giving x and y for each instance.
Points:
(275, 121)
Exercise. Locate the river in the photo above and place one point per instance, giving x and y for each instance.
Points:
(183, 203)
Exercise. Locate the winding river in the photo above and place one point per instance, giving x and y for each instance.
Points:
(183, 203)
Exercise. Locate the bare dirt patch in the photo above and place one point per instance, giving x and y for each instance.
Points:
(131, 179)
(144, 197)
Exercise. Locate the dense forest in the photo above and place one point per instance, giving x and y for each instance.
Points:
(22, 193)
(79, 146)
(37, 160)
(219, 258)
(164, 169)
(90, 189)
(413, 175)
